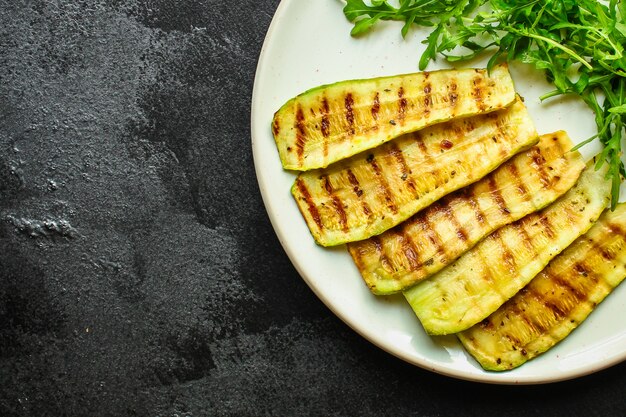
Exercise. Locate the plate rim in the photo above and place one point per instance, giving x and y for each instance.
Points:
(423, 362)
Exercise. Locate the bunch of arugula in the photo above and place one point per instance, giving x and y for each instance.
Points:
(578, 43)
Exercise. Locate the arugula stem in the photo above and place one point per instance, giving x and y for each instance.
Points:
(553, 43)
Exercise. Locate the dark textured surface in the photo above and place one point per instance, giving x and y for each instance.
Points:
(139, 274)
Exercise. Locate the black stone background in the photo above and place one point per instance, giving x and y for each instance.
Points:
(139, 274)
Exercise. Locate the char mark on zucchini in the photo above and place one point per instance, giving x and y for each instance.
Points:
(337, 204)
(300, 134)
(309, 204)
(383, 185)
(375, 107)
(520, 187)
(402, 103)
(496, 194)
(478, 91)
(349, 105)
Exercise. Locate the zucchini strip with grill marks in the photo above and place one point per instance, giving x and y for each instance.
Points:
(335, 121)
(556, 301)
(483, 278)
(371, 192)
(433, 238)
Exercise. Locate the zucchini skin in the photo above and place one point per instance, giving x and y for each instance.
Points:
(335, 121)
(556, 301)
(433, 238)
(482, 279)
(371, 192)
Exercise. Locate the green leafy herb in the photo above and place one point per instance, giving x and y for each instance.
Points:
(578, 43)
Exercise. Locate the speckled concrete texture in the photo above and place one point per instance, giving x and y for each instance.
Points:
(139, 274)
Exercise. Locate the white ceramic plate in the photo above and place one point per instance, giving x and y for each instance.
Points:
(308, 44)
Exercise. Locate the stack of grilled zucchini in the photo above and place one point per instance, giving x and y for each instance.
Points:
(442, 189)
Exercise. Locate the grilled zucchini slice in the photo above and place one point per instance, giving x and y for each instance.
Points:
(436, 236)
(371, 192)
(483, 278)
(556, 301)
(332, 122)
